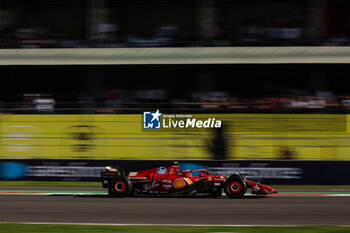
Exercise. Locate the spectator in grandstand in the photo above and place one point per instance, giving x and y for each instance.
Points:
(314, 102)
(338, 39)
(105, 35)
(113, 98)
(235, 103)
(266, 103)
(216, 99)
(44, 103)
(34, 38)
(345, 102)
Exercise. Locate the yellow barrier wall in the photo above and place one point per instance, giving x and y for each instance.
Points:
(247, 136)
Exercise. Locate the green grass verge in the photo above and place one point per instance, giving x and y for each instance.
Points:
(17, 227)
(98, 184)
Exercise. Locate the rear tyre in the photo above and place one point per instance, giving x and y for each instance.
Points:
(235, 187)
(120, 187)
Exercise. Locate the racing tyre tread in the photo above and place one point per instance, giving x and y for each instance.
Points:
(120, 187)
(235, 186)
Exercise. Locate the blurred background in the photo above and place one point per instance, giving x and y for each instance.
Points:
(77, 75)
(174, 23)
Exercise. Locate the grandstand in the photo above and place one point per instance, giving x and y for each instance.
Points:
(76, 89)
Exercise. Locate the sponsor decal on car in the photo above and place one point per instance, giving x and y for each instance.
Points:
(166, 186)
(218, 179)
(179, 183)
(161, 171)
(166, 181)
(256, 188)
(189, 181)
(133, 174)
(149, 186)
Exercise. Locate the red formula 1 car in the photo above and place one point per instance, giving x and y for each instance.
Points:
(170, 181)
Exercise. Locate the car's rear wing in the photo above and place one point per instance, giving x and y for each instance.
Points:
(110, 173)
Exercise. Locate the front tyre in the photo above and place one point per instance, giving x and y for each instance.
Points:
(235, 187)
(120, 187)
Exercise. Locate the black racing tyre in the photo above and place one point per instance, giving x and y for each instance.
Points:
(120, 187)
(235, 186)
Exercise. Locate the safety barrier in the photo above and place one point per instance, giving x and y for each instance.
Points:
(269, 172)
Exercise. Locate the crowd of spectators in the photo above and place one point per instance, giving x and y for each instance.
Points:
(109, 36)
(244, 36)
(127, 101)
(321, 102)
(104, 35)
(116, 23)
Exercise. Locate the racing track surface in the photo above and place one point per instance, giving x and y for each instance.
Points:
(246, 211)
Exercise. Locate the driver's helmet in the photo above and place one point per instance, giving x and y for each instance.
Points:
(187, 172)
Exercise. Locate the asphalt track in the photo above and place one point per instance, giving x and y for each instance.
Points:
(223, 211)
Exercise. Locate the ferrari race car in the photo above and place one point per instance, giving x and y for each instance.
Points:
(170, 181)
